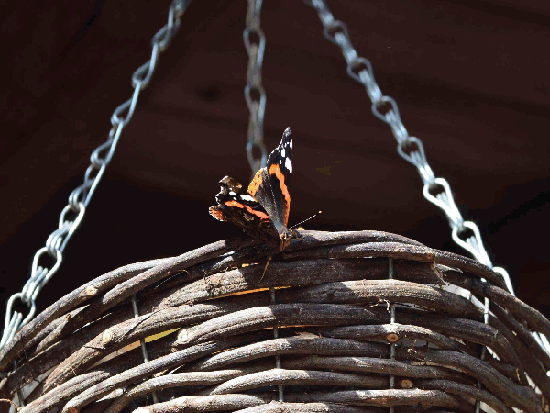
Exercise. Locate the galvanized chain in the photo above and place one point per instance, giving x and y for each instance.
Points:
(435, 189)
(254, 41)
(72, 214)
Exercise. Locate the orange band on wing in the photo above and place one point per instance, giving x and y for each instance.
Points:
(259, 214)
(276, 170)
(255, 184)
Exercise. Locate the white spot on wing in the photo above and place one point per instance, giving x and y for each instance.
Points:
(283, 152)
(248, 198)
(288, 164)
(232, 193)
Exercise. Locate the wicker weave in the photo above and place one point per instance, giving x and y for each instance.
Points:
(331, 306)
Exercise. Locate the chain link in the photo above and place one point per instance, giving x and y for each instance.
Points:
(435, 190)
(254, 41)
(72, 214)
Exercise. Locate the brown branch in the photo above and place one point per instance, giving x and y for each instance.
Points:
(463, 329)
(513, 373)
(308, 239)
(394, 250)
(134, 329)
(64, 392)
(126, 289)
(375, 291)
(241, 322)
(528, 362)
(180, 380)
(61, 350)
(129, 367)
(98, 406)
(504, 299)
(424, 398)
(382, 398)
(511, 393)
(523, 333)
(291, 377)
(128, 359)
(36, 344)
(304, 272)
(464, 390)
(134, 360)
(146, 370)
(294, 273)
(468, 265)
(392, 333)
(123, 329)
(291, 346)
(278, 407)
(197, 404)
(371, 365)
(24, 337)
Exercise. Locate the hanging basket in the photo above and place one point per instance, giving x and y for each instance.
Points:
(338, 322)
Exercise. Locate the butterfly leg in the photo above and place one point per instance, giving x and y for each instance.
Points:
(265, 268)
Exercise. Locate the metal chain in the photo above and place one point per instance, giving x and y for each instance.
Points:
(72, 214)
(254, 41)
(436, 190)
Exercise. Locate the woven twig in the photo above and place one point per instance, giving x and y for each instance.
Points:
(332, 313)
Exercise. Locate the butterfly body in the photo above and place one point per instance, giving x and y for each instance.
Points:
(263, 209)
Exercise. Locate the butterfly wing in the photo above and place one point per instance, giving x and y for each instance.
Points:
(270, 187)
(235, 205)
(279, 168)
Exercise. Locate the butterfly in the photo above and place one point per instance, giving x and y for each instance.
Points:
(262, 210)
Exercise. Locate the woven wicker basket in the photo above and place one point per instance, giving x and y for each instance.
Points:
(339, 322)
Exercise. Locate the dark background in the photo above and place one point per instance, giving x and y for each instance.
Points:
(470, 77)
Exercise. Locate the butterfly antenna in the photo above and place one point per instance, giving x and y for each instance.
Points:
(307, 219)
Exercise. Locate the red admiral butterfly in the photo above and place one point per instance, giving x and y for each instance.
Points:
(262, 211)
